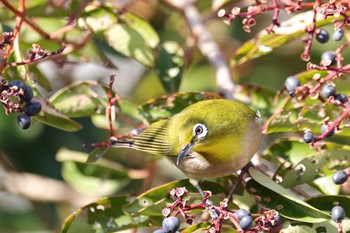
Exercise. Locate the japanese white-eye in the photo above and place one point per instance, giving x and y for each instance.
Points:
(208, 139)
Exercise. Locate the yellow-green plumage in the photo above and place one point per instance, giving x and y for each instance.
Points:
(230, 136)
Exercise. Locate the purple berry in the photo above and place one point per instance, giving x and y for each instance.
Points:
(291, 84)
(171, 224)
(241, 213)
(341, 98)
(246, 222)
(27, 94)
(328, 91)
(24, 121)
(324, 128)
(338, 34)
(340, 177)
(32, 108)
(322, 36)
(308, 137)
(328, 58)
(338, 214)
(18, 84)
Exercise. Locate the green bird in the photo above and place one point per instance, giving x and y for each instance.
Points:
(208, 139)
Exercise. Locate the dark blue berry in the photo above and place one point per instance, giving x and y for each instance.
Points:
(171, 224)
(32, 108)
(241, 213)
(338, 214)
(322, 36)
(338, 34)
(324, 128)
(18, 84)
(341, 98)
(291, 84)
(24, 121)
(340, 177)
(328, 91)
(27, 94)
(246, 222)
(328, 58)
(277, 221)
(308, 137)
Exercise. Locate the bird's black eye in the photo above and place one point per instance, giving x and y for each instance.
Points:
(200, 130)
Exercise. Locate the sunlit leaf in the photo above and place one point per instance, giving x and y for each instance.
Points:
(274, 196)
(318, 164)
(97, 18)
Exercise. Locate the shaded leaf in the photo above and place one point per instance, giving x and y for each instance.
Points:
(274, 196)
(52, 117)
(169, 65)
(106, 215)
(169, 105)
(327, 202)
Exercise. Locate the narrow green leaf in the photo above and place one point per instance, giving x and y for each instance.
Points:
(274, 196)
(93, 179)
(82, 98)
(50, 116)
(169, 65)
(327, 202)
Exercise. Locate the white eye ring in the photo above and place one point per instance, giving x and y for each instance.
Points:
(200, 130)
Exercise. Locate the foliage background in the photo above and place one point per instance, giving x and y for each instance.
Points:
(29, 158)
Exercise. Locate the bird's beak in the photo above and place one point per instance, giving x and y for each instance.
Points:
(184, 151)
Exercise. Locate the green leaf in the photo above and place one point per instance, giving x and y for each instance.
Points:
(318, 164)
(169, 105)
(134, 38)
(169, 65)
(327, 202)
(97, 18)
(106, 215)
(274, 196)
(153, 201)
(256, 97)
(50, 116)
(82, 98)
(290, 29)
(130, 43)
(94, 179)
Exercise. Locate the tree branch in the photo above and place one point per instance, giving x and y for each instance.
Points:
(206, 45)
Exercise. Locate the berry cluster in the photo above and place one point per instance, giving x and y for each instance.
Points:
(17, 97)
(242, 219)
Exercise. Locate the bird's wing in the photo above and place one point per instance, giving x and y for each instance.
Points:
(153, 140)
